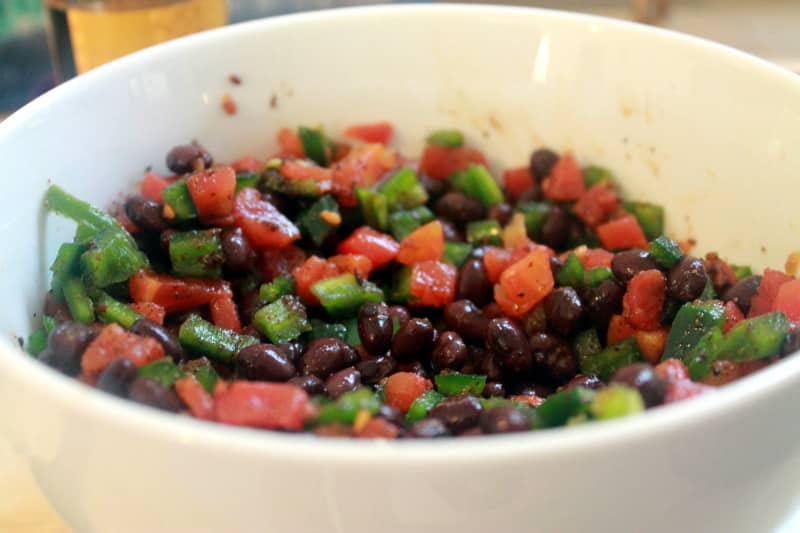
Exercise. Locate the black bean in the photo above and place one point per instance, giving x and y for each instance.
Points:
(264, 362)
(742, 292)
(311, 384)
(500, 212)
(450, 231)
(473, 283)
(504, 419)
(375, 369)
(326, 355)
(291, 350)
(458, 412)
(563, 310)
(150, 392)
(458, 207)
(414, 340)
(434, 187)
(535, 321)
(641, 377)
(555, 228)
(494, 389)
(588, 381)
(553, 359)
(392, 414)
(239, 255)
(533, 194)
(415, 367)
(344, 380)
(542, 161)
(792, 342)
(485, 363)
(555, 265)
(687, 279)
(449, 352)
(375, 327)
(602, 302)
(116, 377)
(170, 343)
(428, 428)
(184, 158)
(55, 309)
(400, 315)
(463, 317)
(627, 264)
(66, 345)
(507, 342)
(532, 389)
(145, 213)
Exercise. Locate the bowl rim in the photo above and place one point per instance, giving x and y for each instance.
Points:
(187, 431)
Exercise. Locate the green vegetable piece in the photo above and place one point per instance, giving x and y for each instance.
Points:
(446, 138)
(204, 338)
(756, 338)
(595, 276)
(67, 263)
(483, 232)
(400, 291)
(165, 371)
(283, 320)
(345, 409)
(571, 273)
(273, 180)
(78, 301)
(321, 329)
(612, 358)
(456, 383)
(176, 196)
(742, 271)
(110, 310)
(279, 286)
(666, 252)
(248, 180)
(535, 215)
(317, 226)
(202, 370)
(422, 405)
(476, 181)
(561, 406)
(84, 233)
(197, 253)
(586, 345)
(616, 401)
(708, 291)
(699, 358)
(63, 203)
(374, 208)
(401, 223)
(593, 175)
(693, 320)
(352, 337)
(37, 342)
(49, 324)
(457, 252)
(314, 144)
(344, 295)
(650, 217)
(113, 258)
(403, 190)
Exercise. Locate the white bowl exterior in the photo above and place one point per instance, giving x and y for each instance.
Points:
(706, 131)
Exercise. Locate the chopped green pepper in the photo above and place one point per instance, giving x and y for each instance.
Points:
(612, 358)
(49, 324)
(457, 252)
(593, 175)
(279, 286)
(742, 271)
(351, 337)
(164, 371)
(446, 138)
(345, 409)
(374, 208)
(401, 223)
(476, 182)
(202, 370)
(78, 301)
(586, 345)
(571, 273)
(63, 203)
(273, 180)
(314, 144)
(196, 253)
(37, 342)
(699, 358)
(755, 338)
(113, 258)
(403, 190)
(321, 329)
(456, 383)
(110, 310)
(595, 276)
(422, 405)
(282, 320)
(66, 264)
(400, 291)
(616, 401)
(694, 319)
(247, 180)
(482, 232)
(650, 217)
(320, 220)
(535, 215)
(561, 406)
(176, 196)
(204, 338)
(708, 291)
(666, 252)
(344, 295)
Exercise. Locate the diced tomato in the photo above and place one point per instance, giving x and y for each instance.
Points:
(335, 430)
(525, 283)
(517, 181)
(378, 132)
(596, 204)
(212, 191)
(224, 314)
(440, 162)
(565, 181)
(262, 223)
(378, 428)
(788, 300)
(619, 329)
(247, 164)
(290, 143)
(651, 344)
(127, 223)
(363, 166)
(732, 315)
(313, 270)
(495, 261)
(672, 370)
(529, 399)
(305, 170)
(402, 388)
(263, 405)
(683, 390)
(433, 283)
(621, 234)
(771, 282)
(152, 186)
(792, 263)
(175, 294)
(719, 271)
(644, 299)
(354, 263)
(113, 343)
(151, 311)
(378, 247)
(274, 262)
(196, 398)
(340, 151)
(425, 243)
(596, 257)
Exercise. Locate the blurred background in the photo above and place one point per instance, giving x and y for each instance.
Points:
(43, 42)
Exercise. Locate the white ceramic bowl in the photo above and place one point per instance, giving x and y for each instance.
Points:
(708, 131)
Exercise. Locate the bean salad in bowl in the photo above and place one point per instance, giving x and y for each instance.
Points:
(345, 289)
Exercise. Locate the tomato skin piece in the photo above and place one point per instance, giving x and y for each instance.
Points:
(596, 205)
(225, 315)
(683, 390)
(262, 223)
(595, 257)
(565, 181)
(380, 248)
(619, 329)
(290, 143)
(212, 191)
(377, 132)
(517, 181)
(196, 398)
(771, 282)
(733, 315)
(440, 162)
(151, 311)
(787, 300)
(621, 234)
(402, 388)
(378, 428)
(113, 343)
(175, 294)
(525, 283)
(495, 261)
(262, 405)
(352, 263)
(672, 370)
(433, 283)
(247, 163)
(303, 170)
(313, 270)
(644, 299)
(363, 166)
(152, 186)
(425, 243)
